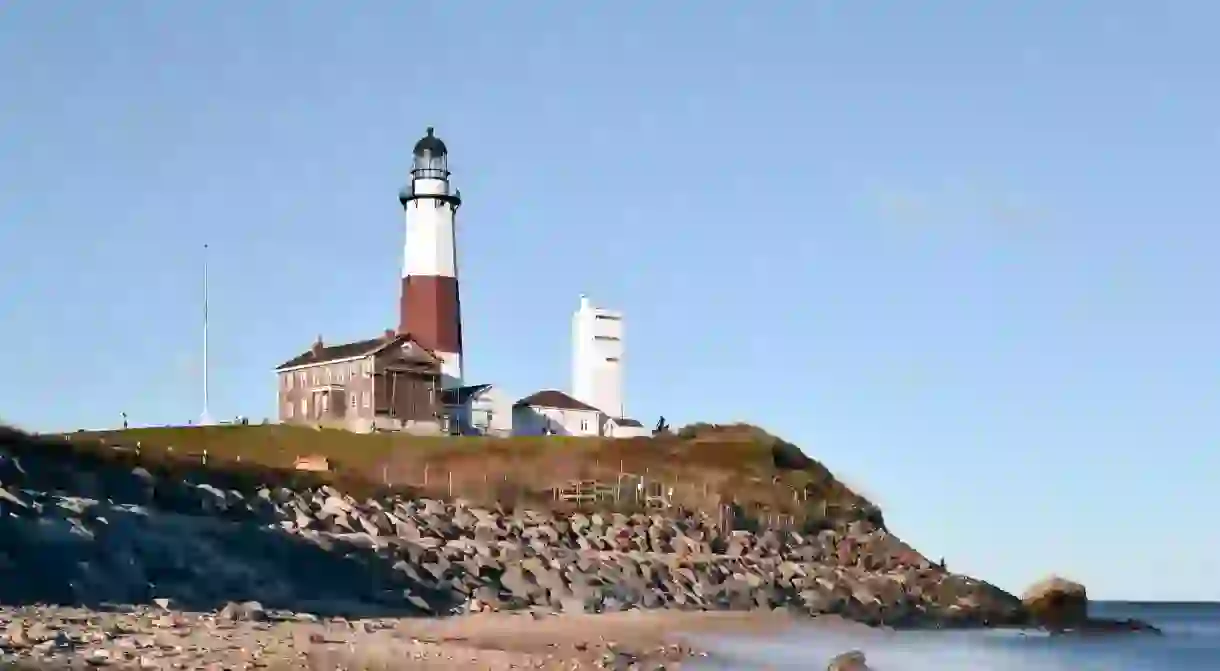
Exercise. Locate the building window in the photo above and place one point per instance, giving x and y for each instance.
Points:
(288, 382)
(353, 400)
(584, 425)
(305, 408)
(301, 378)
(288, 410)
(364, 399)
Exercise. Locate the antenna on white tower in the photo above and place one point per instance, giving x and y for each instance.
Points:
(206, 418)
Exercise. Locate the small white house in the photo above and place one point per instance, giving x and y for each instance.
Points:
(479, 409)
(623, 427)
(551, 412)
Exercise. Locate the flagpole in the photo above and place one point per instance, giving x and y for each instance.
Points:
(206, 418)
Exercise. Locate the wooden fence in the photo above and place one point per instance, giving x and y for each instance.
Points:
(627, 492)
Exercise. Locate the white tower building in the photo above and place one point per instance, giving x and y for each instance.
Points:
(597, 358)
(429, 307)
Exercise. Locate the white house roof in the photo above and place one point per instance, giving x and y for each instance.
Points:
(551, 398)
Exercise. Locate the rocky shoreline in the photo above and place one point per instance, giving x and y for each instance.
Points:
(89, 533)
(125, 536)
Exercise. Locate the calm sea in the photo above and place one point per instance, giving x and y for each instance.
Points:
(1191, 643)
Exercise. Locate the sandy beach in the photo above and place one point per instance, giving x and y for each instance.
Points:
(75, 638)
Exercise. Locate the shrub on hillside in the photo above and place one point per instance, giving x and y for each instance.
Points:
(786, 456)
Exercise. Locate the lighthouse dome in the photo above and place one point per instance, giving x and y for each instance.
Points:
(430, 144)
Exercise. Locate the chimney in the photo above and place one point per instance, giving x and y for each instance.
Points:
(390, 334)
(317, 346)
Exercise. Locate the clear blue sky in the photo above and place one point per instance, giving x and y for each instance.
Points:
(963, 252)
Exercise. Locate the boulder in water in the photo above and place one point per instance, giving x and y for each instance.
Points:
(848, 661)
(1057, 603)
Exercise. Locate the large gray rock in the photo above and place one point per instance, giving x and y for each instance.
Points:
(1057, 603)
(848, 661)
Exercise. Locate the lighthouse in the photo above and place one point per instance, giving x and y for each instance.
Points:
(429, 308)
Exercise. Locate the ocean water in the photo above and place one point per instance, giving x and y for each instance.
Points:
(1191, 643)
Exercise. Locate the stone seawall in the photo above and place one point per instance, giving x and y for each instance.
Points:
(90, 533)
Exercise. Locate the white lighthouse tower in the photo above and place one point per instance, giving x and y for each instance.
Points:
(429, 308)
(597, 358)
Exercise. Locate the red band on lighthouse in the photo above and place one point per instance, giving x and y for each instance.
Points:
(430, 311)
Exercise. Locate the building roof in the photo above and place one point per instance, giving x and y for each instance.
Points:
(625, 421)
(460, 395)
(319, 354)
(550, 398)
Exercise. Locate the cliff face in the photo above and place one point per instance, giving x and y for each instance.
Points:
(80, 528)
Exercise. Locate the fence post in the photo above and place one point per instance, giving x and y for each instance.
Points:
(385, 475)
(205, 456)
(450, 484)
(425, 475)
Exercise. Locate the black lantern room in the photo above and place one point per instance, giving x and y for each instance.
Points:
(431, 158)
(431, 163)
